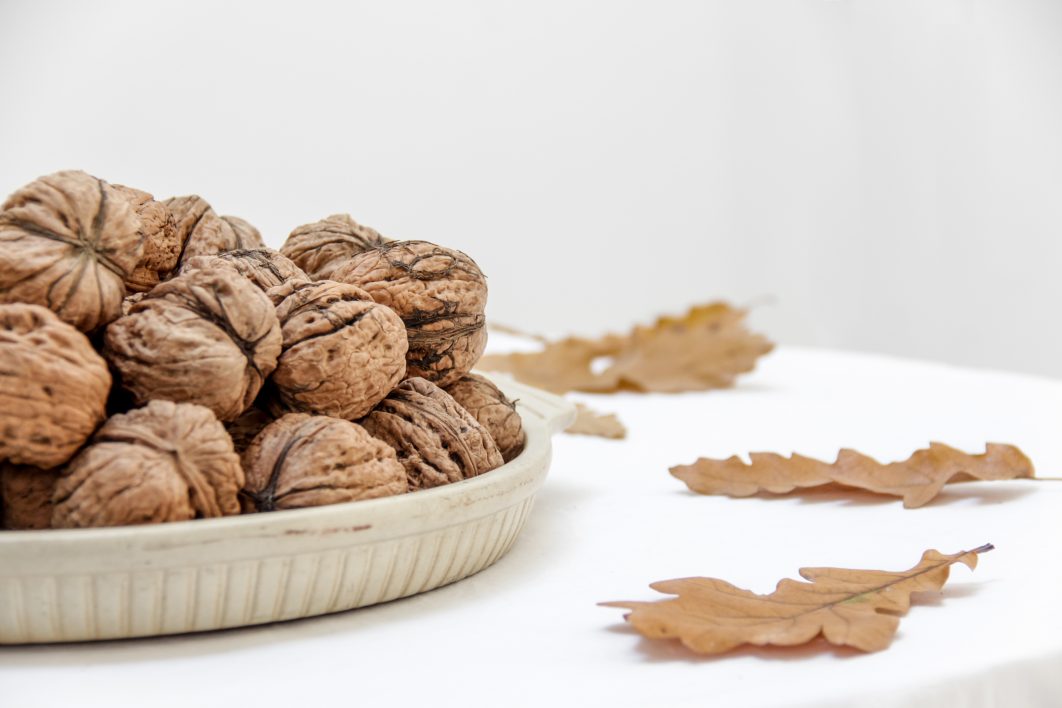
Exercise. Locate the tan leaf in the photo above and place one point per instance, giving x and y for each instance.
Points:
(918, 479)
(856, 608)
(705, 348)
(590, 422)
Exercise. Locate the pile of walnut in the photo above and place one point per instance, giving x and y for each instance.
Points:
(159, 363)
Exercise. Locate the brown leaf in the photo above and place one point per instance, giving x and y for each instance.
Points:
(856, 608)
(590, 422)
(918, 479)
(705, 348)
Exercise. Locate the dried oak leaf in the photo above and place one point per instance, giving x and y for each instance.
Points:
(319, 248)
(53, 387)
(918, 479)
(158, 232)
(303, 460)
(206, 337)
(202, 232)
(68, 242)
(262, 266)
(590, 422)
(341, 353)
(164, 462)
(706, 348)
(493, 410)
(437, 441)
(439, 293)
(26, 496)
(856, 608)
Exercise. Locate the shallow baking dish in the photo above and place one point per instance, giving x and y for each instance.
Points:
(191, 576)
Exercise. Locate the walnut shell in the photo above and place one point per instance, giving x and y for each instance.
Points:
(493, 410)
(203, 233)
(320, 247)
(342, 353)
(26, 496)
(440, 295)
(53, 387)
(437, 441)
(263, 266)
(303, 460)
(164, 462)
(68, 242)
(158, 232)
(245, 429)
(248, 237)
(206, 337)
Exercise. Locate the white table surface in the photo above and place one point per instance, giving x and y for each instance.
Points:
(611, 519)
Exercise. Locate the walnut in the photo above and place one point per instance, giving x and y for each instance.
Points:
(53, 387)
(203, 233)
(439, 294)
(305, 460)
(26, 496)
(247, 236)
(158, 232)
(164, 462)
(68, 242)
(263, 266)
(206, 337)
(437, 440)
(342, 353)
(320, 247)
(493, 410)
(245, 429)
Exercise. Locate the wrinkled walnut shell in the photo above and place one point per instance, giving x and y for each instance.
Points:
(305, 460)
(26, 496)
(68, 242)
(439, 293)
(437, 441)
(247, 236)
(321, 247)
(203, 233)
(53, 387)
(206, 337)
(342, 354)
(158, 232)
(164, 462)
(264, 267)
(493, 410)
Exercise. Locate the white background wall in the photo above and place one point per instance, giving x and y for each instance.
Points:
(883, 175)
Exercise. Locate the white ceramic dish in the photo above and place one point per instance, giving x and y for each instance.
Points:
(138, 581)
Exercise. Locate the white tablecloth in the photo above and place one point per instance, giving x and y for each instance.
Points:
(611, 519)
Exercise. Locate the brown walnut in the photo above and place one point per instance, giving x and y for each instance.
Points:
(206, 337)
(53, 387)
(305, 460)
(342, 353)
(26, 496)
(440, 295)
(493, 410)
(437, 441)
(158, 232)
(263, 266)
(68, 242)
(203, 233)
(321, 247)
(164, 462)
(247, 236)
